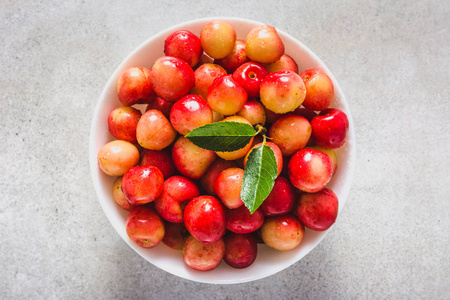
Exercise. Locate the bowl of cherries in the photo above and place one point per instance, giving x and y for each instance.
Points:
(222, 150)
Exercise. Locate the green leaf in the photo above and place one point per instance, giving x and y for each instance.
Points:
(259, 177)
(222, 136)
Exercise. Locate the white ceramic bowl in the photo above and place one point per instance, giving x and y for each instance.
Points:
(268, 261)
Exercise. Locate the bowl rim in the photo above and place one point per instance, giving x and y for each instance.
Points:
(193, 275)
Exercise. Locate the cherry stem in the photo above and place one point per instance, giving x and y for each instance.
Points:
(260, 129)
(264, 139)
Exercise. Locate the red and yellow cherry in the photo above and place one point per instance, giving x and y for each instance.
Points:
(318, 211)
(185, 45)
(134, 86)
(142, 184)
(205, 219)
(145, 227)
(310, 170)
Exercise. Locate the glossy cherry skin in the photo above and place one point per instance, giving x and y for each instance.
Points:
(240, 220)
(181, 188)
(226, 96)
(282, 232)
(142, 184)
(205, 218)
(281, 199)
(282, 91)
(207, 180)
(330, 128)
(162, 159)
(227, 187)
(331, 154)
(134, 86)
(291, 133)
(171, 202)
(118, 195)
(185, 45)
(171, 78)
(190, 112)
(263, 44)
(191, 160)
(145, 227)
(203, 257)
(250, 75)
(218, 39)
(116, 157)
(122, 123)
(240, 249)
(236, 58)
(310, 170)
(318, 211)
(319, 89)
(154, 130)
(253, 111)
(284, 63)
(205, 75)
(161, 105)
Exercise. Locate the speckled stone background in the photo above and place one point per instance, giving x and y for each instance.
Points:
(392, 61)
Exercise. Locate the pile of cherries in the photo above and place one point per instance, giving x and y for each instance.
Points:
(188, 197)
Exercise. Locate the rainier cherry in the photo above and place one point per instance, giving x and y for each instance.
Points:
(254, 112)
(160, 104)
(218, 39)
(283, 64)
(154, 131)
(330, 128)
(116, 157)
(134, 86)
(191, 160)
(263, 44)
(236, 58)
(291, 133)
(240, 220)
(175, 235)
(119, 196)
(318, 211)
(162, 159)
(203, 257)
(310, 170)
(207, 181)
(204, 218)
(185, 45)
(205, 76)
(122, 123)
(282, 232)
(319, 89)
(227, 187)
(249, 76)
(281, 199)
(142, 184)
(145, 227)
(240, 249)
(331, 154)
(170, 203)
(171, 78)
(190, 112)
(226, 96)
(282, 91)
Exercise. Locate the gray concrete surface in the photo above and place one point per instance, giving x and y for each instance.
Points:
(392, 61)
